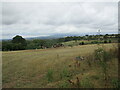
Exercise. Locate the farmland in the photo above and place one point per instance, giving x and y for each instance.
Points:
(59, 44)
(53, 67)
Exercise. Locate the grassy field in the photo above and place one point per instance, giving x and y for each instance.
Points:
(53, 67)
(76, 43)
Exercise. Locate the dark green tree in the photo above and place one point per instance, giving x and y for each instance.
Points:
(19, 42)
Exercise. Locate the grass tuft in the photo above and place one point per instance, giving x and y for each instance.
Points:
(49, 75)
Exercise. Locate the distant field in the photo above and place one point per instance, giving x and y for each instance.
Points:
(75, 43)
(28, 68)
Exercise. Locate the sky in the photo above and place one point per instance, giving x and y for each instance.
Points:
(33, 19)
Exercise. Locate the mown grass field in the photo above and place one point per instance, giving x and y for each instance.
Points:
(34, 68)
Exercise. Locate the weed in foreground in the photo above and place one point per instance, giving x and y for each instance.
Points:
(64, 74)
(115, 83)
(102, 58)
(49, 75)
(86, 83)
(75, 84)
(96, 77)
(64, 84)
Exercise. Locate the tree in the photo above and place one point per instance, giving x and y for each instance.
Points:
(19, 42)
(19, 39)
(7, 46)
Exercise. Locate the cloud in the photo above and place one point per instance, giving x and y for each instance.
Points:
(47, 18)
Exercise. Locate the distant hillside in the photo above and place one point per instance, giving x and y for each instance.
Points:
(53, 36)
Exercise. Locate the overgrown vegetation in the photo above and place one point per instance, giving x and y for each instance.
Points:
(101, 57)
(65, 74)
(86, 83)
(86, 66)
(116, 83)
(49, 75)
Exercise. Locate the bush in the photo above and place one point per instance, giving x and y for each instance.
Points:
(102, 55)
(82, 43)
(105, 41)
(115, 83)
(109, 41)
(98, 53)
(65, 74)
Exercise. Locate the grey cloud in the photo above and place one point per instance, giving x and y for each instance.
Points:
(9, 14)
(34, 19)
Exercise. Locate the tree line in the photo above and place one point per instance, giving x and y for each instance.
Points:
(20, 43)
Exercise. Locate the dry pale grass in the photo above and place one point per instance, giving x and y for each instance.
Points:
(28, 68)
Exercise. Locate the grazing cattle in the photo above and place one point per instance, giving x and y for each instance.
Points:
(57, 45)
